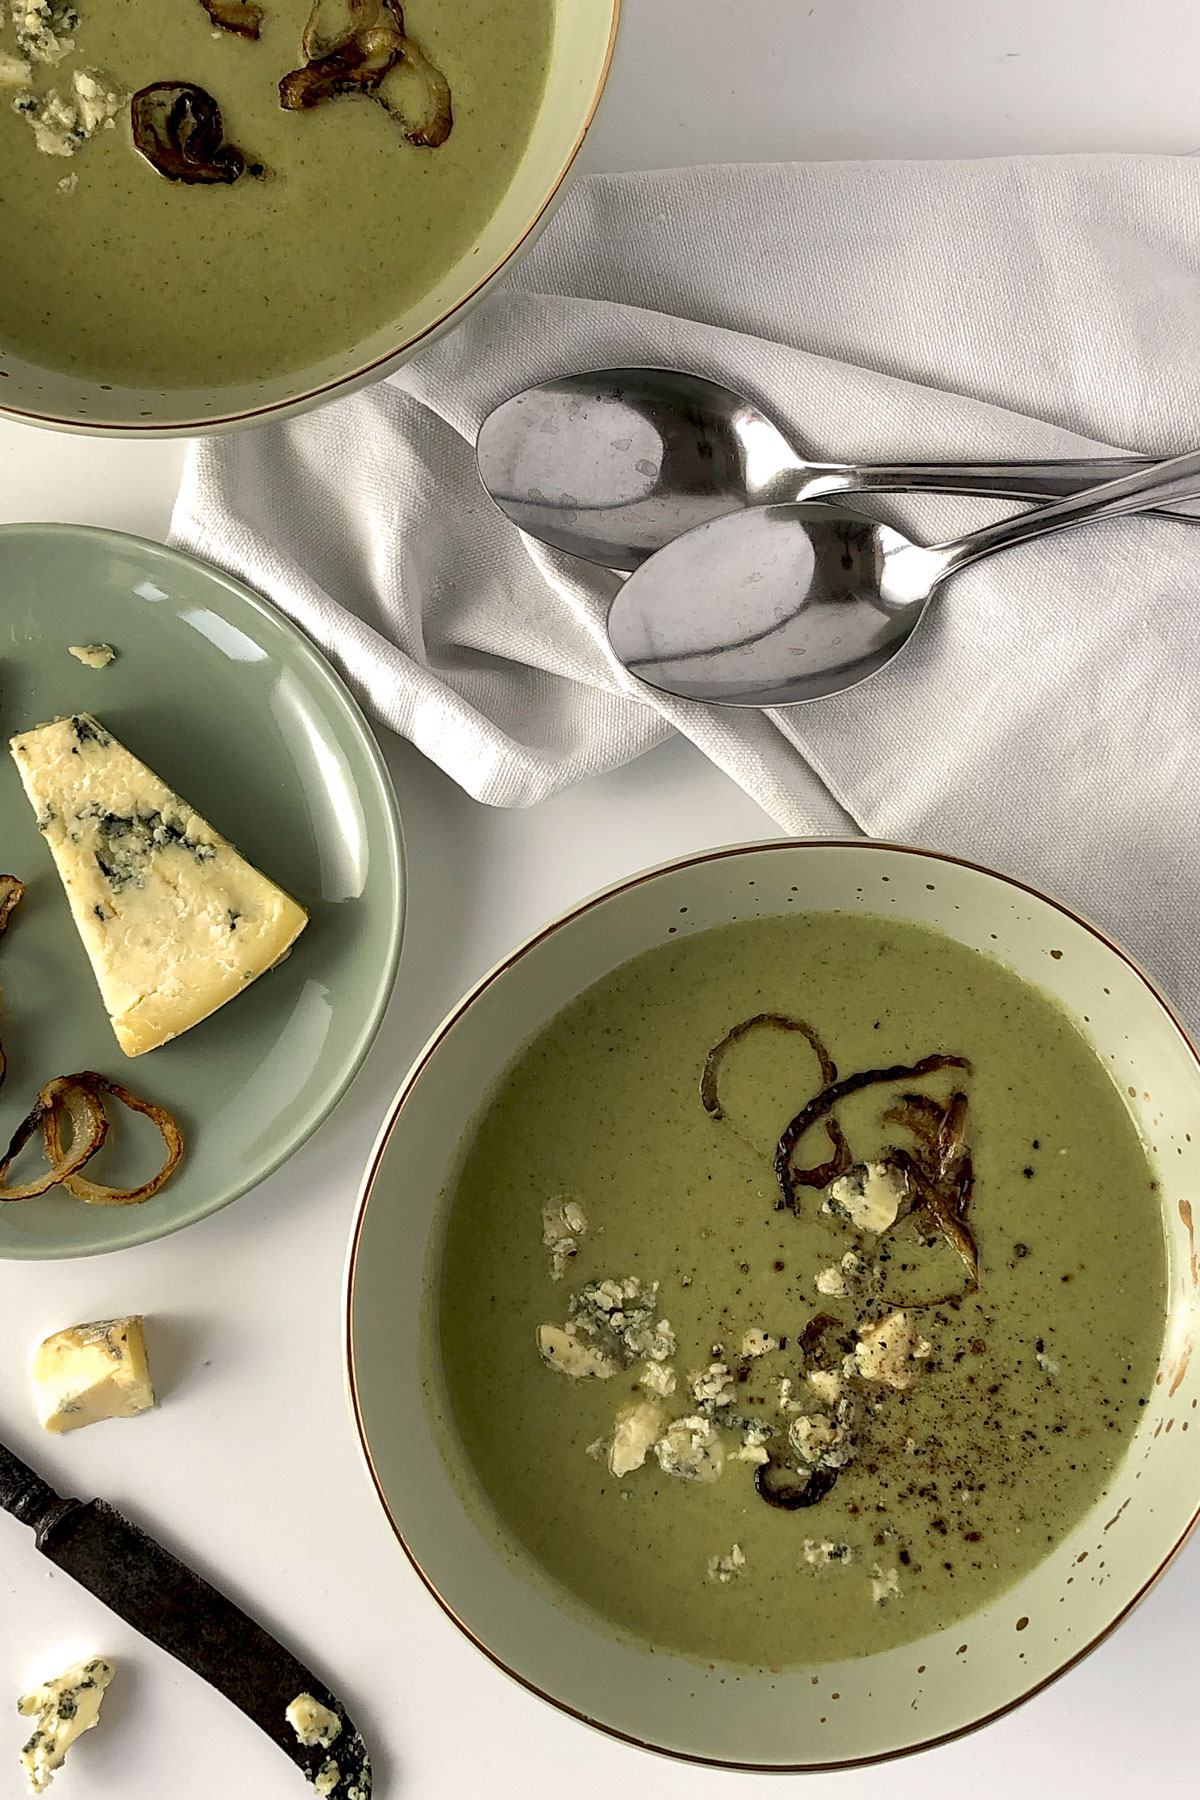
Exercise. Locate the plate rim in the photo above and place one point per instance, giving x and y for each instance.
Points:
(341, 386)
(517, 954)
(396, 854)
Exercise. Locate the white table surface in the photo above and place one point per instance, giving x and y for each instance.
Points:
(265, 1492)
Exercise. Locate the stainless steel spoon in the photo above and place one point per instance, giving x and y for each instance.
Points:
(780, 604)
(613, 464)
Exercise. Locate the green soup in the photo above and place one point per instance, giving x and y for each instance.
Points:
(1012, 1403)
(111, 270)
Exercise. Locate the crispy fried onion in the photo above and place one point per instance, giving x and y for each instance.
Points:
(178, 128)
(710, 1099)
(940, 1170)
(78, 1100)
(360, 47)
(789, 1489)
(823, 1103)
(243, 17)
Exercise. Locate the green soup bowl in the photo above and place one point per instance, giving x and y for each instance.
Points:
(581, 53)
(798, 1717)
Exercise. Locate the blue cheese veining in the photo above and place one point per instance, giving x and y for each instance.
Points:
(64, 1708)
(174, 921)
(92, 1372)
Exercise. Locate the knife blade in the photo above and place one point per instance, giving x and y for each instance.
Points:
(180, 1612)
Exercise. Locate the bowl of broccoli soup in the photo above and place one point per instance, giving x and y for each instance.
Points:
(771, 1303)
(218, 210)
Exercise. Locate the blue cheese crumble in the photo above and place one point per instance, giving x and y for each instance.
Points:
(63, 123)
(725, 1568)
(64, 1708)
(564, 1222)
(43, 29)
(691, 1448)
(869, 1196)
(312, 1722)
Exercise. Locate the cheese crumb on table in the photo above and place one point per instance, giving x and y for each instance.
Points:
(64, 1708)
(87, 1373)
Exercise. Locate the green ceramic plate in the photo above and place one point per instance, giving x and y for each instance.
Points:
(236, 710)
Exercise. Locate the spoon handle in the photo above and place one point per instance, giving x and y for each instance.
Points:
(1176, 479)
(1013, 480)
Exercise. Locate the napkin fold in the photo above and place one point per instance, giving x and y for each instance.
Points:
(1045, 718)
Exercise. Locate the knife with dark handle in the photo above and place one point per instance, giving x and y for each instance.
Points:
(172, 1606)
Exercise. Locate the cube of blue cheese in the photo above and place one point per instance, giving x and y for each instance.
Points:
(92, 1372)
(64, 1708)
(174, 921)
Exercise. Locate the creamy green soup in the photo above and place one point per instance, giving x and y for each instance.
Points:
(624, 1305)
(112, 270)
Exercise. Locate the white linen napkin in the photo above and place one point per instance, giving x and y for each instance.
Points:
(1045, 720)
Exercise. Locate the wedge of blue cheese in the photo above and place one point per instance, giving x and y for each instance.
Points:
(175, 922)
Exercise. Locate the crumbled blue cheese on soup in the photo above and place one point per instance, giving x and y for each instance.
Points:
(564, 1222)
(619, 1316)
(755, 1437)
(560, 1349)
(691, 1448)
(312, 1722)
(822, 1553)
(63, 123)
(634, 1433)
(868, 1197)
(64, 1708)
(713, 1385)
(885, 1585)
(658, 1378)
(826, 1384)
(14, 73)
(725, 1568)
(891, 1352)
(327, 1778)
(43, 29)
(92, 656)
(758, 1342)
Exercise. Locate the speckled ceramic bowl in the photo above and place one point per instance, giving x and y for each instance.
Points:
(585, 31)
(833, 1714)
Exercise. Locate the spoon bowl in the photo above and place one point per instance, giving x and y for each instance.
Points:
(612, 464)
(807, 606)
(783, 604)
